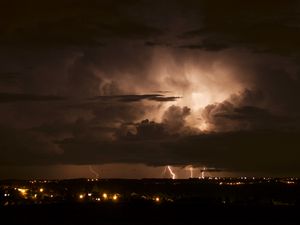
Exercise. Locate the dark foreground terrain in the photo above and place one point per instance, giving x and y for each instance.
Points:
(141, 213)
(211, 201)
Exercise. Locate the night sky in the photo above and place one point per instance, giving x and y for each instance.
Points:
(125, 88)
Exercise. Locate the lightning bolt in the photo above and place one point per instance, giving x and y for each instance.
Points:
(164, 172)
(203, 173)
(191, 170)
(171, 172)
(91, 169)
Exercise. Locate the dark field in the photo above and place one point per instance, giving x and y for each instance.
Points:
(140, 213)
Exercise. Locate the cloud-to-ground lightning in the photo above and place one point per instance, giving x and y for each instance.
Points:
(93, 171)
(164, 172)
(191, 169)
(171, 172)
(203, 173)
(208, 170)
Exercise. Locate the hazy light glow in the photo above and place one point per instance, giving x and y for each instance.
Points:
(104, 196)
(198, 82)
(199, 100)
(115, 197)
(23, 191)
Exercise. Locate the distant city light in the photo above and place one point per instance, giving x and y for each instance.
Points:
(115, 197)
(104, 195)
(81, 196)
(41, 189)
(231, 183)
(157, 199)
(290, 182)
(23, 191)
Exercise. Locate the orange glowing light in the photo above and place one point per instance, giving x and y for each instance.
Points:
(23, 191)
(115, 197)
(104, 196)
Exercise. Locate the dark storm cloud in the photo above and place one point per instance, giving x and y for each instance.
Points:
(26, 147)
(153, 44)
(211, 170)
(173, 125)
(208, 47)
(259, 25)
(239, 150)
(69, 23)
(262, 26)
(208, 44)
(174, 119)
(146, 130)
(136, 98)
(265, 152)
(256, 151)
(7, 78)
(18, 97)
(242, 112)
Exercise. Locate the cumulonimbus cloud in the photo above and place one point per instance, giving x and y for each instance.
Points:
(86, 95)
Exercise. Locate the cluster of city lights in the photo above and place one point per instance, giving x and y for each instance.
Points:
(231, 183)
(39, 181)
(31, 194)
(111, 197)
(92, 180)
(105, 196)
(27, 193)
(40, 193)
